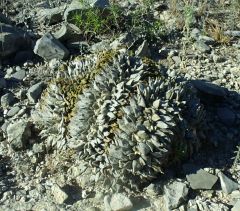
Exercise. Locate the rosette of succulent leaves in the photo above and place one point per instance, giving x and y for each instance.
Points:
(126, 118)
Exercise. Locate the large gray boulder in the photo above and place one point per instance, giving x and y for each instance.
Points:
(49, 48)
(12, 40)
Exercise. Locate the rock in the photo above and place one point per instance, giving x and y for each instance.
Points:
(18, 134)
(232, 33)
(59, 195)
(174, 194)
(19, 75)
(107, 200)
(207, 40)
(68, 32)
(49, 48)
(201, 180)
(143, 50)
(7, 100)
(236, 206)
(202, 47)
(152, 189)
(226, 115)
(195, 33)
(34, 92)
(13, 111)
(51, 16)
(209, 88)
(12, 40)
(120, 202)
(177, 60)
(99, 46)
(228, 186)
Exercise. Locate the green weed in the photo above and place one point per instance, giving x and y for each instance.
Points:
(113, 20)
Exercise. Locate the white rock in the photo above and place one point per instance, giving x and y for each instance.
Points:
(59, 195)
(236, 207)
(120, 202)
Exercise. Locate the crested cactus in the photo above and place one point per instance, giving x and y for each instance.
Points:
(127, 118)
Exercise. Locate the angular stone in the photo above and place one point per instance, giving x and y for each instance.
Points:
(34, 92)
(209, 88)
(49, 48)
(120, 202)
(195, 33)
(174, 194)
(7, 100)
(232, 33)
(19, 75)
(202, 47)
(207, 40)
(201, 180)
(228, 186)
(236, 206)
(68, 32)
(13, 111)
(59, 195)
(143, 50)
(18, 134)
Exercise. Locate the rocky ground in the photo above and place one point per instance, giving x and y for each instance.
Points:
(199, 42)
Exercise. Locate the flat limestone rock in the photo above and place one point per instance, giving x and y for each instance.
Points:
(202, 180)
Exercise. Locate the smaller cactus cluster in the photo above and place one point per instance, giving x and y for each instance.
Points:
(128, 118)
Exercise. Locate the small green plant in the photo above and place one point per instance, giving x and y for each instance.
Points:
(112, 20)
(145, 24)
(96, 21)
(188, 17)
